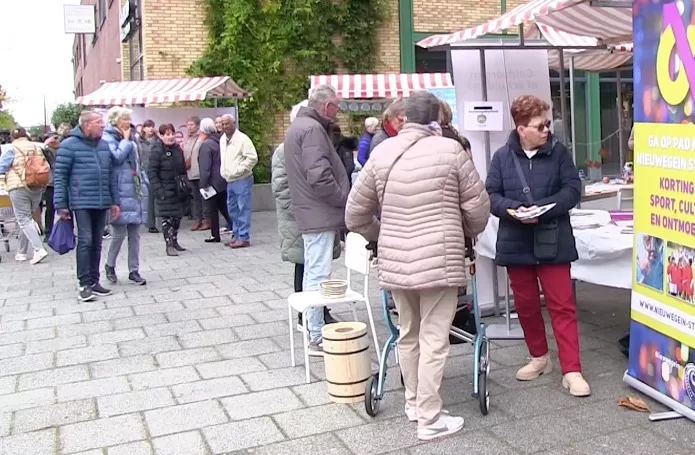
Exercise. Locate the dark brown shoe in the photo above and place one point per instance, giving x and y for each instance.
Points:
(204, 226)
(196, 226)
(240, 244)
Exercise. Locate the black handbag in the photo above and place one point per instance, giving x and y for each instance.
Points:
(546, 235)
(183, 187)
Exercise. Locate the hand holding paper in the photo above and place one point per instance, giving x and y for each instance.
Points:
(530, 214)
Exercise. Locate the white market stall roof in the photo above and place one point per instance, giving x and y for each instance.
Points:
(369, 86)
(607, 23)
(162, 91)
(588, 60)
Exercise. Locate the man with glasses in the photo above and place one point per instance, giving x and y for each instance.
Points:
(318, 191)
(85, 184)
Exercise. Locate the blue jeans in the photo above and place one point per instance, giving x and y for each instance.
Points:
(239, 207)
(318, 255)
(90, 229)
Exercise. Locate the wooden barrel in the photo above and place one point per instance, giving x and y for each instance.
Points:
(346, 359)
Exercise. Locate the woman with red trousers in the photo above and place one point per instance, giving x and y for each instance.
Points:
(532, 170)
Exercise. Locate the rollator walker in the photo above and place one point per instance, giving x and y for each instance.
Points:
(374, 389)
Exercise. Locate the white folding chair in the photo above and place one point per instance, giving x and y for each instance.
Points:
(356, 260)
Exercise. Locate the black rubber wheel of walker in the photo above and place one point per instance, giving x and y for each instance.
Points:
(371, 400)
(483, 393)
(7, 246)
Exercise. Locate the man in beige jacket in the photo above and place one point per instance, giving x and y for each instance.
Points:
(191, 151)
(238, 157)
(430, 197)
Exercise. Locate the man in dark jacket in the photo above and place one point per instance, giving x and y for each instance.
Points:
(318, 190)
(210, 177)
(85, 184)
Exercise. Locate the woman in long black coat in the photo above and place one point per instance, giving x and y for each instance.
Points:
(167, 171)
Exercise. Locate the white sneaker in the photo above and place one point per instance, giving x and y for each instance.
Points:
(411, 413)
(20, 257)
(444, 426)
(39, 255)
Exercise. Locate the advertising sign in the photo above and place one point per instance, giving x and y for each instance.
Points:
(662, 332)
(79, 19)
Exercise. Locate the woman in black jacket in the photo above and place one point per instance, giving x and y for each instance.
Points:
(345, 147)
(167, 174)
(532, 170)
(209, 163)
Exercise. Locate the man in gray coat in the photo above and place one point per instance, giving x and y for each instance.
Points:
(318, 190)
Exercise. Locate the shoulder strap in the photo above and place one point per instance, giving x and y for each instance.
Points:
(386, 180)
(526, 190)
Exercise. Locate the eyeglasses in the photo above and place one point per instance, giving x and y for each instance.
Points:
(541, 127)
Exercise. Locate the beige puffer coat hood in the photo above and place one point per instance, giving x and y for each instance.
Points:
(434, 195)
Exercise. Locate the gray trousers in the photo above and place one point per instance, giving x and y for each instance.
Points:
(118, 234)
(24, 203)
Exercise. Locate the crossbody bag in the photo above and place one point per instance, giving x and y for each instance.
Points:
(546, 235)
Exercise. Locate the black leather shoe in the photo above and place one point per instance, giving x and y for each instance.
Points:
(212, 240)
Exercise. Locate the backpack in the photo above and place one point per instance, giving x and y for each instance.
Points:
(36, 169)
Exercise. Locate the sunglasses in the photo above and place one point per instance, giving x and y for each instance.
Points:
(541, 127)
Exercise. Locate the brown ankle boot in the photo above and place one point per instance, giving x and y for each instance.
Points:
(536, 367)
(205, 226)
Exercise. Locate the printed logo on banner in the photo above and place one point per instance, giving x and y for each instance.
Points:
(676, 36)
(689, 380)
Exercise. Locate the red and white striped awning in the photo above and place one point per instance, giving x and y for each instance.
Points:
(369, 86)
(587, 60)
(608, 24)
(162, 91)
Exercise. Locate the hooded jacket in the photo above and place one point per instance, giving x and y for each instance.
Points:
(83, 175)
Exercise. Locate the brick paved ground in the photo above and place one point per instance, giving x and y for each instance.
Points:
(197, 362)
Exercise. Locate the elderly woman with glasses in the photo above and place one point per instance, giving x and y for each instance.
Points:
(391, 124)
(132, 186)
(533, 170)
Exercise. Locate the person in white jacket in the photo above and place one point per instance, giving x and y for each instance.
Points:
(238, 157)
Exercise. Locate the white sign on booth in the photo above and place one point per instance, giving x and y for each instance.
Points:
(510, 73)
(483, 116)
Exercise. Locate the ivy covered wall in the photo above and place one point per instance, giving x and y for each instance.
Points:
(271, 47)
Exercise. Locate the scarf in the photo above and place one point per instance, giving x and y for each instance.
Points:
(389, 129)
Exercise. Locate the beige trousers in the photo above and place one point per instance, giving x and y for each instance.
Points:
(425, 318)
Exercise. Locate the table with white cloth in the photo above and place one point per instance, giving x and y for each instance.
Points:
(604, 243)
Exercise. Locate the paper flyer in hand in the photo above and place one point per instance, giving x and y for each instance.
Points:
(208, 192)
(529, 214)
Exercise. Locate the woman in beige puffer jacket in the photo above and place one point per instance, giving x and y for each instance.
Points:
(430, 197)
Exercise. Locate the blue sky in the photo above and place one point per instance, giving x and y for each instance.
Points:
(36, 57)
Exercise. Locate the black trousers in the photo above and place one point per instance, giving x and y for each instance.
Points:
(49, 215)
(217, 205)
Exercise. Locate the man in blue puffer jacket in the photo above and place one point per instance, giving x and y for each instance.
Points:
(85, 184)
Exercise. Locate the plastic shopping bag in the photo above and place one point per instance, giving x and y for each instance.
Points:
(62, 238)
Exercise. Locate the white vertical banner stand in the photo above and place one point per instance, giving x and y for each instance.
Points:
(501, 76)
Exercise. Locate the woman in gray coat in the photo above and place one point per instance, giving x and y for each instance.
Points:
(291, 242)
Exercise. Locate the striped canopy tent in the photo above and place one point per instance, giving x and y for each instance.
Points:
(614, 56)
(162, 91)
(379, 86)
(607, 20)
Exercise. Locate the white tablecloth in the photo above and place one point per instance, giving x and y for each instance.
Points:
(605, 253)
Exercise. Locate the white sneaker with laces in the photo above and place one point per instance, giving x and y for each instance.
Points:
(444, 426)
(39, 255)
(21, 257)
(411, 413)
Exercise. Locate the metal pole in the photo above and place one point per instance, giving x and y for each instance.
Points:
(488, 158)
(563, 94)
(619, 100)
(573, 131)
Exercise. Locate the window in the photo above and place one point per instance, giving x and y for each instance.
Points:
(137, 68)
(101, 12)
(430, 61)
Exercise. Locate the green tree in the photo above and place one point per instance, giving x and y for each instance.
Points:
(7, 122)
(271, 47)
(36, 131)
(66, 113)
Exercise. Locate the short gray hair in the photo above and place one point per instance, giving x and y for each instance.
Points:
(207, 125)
(321, 95)
(422, 107)
(395, 109)
(85, 117)
(227, 117)
(116, 113)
